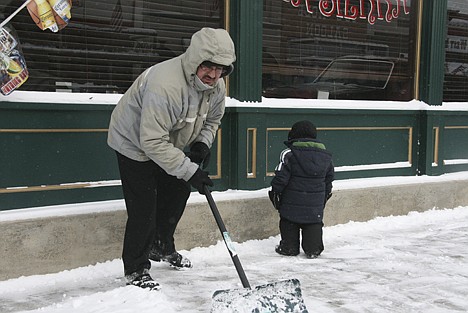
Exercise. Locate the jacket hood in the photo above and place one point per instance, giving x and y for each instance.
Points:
(304, 143)
(311, 155)
(208, 44)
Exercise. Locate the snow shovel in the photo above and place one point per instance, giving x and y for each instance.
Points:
(281, 296)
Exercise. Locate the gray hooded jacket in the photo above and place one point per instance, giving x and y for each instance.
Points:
(168, 107)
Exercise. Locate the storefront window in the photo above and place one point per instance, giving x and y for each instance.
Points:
(339, 49)
(456, 52)
(108, 43)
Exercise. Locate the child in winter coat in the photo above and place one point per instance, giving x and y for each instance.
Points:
(300, 189)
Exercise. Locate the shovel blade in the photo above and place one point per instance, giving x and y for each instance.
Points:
(282, 296)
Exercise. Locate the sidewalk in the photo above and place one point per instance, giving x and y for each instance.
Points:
(412, 263)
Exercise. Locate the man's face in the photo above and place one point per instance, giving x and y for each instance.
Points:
(209, 74)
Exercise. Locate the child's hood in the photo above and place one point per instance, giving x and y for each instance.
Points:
(311, 155)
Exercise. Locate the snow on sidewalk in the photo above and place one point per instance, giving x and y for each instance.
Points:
(413, 263)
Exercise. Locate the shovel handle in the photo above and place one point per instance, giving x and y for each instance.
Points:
(223, 230)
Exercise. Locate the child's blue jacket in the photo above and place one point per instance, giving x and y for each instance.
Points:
(303, 178)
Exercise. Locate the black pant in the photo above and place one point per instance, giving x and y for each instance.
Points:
(155, 203)
(312, 242)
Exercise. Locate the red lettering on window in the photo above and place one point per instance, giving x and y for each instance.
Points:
(351, 11)
(295, 3)
(378, 9)
(327, 7)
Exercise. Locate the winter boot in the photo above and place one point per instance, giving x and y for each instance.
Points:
(313, 255)
(142, 279)
(280, 249)
(175, 259)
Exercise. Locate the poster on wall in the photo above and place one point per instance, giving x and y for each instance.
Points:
(50, 14)
(13, 70)
(46, 14)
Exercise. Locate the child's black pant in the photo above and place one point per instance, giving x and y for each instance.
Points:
(312, 242)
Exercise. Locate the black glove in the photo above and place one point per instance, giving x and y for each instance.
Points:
(199, 179)
(200, 154)
(275, 198)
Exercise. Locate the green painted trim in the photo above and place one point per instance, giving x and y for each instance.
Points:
(434, 29)
(55, 197)
(51, 151)
(426, 145)
(246, 28)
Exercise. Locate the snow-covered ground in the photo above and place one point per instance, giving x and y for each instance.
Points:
(413, 263)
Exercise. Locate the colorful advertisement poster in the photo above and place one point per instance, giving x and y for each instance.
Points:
(13, 70)
(50, 14)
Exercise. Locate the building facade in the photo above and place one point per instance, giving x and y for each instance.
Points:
(386, 82)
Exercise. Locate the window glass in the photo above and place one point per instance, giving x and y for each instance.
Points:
(108, 43)
(456, 52)
(339, 49)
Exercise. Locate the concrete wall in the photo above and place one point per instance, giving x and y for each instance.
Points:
(53, 244)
